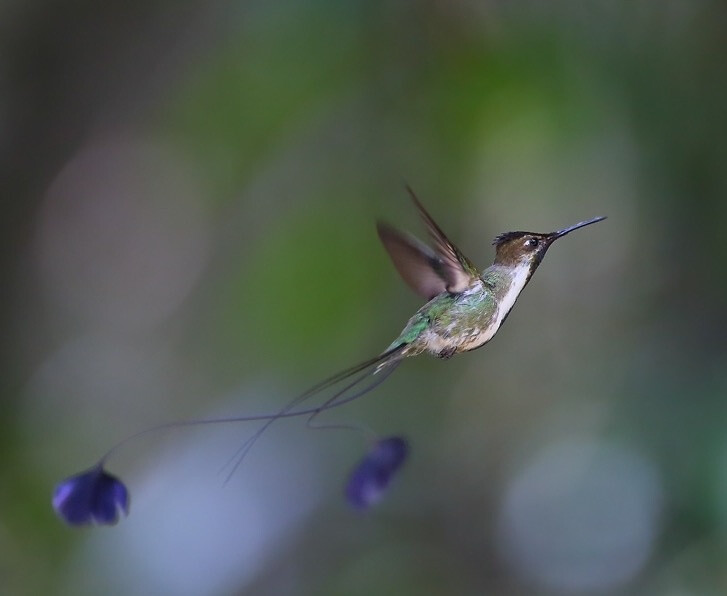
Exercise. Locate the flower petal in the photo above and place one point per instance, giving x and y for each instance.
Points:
(372, 476)
(93, 496)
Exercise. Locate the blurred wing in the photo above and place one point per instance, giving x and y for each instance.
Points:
(457, 269)
(418, 265)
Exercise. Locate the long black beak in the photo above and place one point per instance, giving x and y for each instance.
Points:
(582, 224)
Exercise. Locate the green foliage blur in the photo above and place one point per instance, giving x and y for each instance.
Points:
(190, 193)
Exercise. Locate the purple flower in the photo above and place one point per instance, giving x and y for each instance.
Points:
(93, 496)
(371, 477)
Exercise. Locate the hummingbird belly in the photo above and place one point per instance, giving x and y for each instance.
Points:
(458, 322)
(452, 323)
(476, 315)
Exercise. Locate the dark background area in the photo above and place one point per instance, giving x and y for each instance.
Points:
(189, 192)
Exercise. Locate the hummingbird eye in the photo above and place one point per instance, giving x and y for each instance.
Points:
(531, 242)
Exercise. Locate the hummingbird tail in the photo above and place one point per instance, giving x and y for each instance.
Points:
(385, 364)
(380, 367)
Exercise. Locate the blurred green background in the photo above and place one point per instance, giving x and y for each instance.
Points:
(189, 191)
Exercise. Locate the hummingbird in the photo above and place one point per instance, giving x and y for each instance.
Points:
(465, 308)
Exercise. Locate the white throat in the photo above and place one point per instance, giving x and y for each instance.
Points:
(519, 278)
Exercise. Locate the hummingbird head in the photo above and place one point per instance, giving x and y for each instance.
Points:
(516, 249)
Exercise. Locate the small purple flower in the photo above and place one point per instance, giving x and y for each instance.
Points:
(93, 496)
(371, 477)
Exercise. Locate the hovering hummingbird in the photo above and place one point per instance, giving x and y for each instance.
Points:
(464, 310)
(465, 307)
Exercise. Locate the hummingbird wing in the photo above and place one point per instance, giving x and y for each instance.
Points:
(418, 265)
(458, 270)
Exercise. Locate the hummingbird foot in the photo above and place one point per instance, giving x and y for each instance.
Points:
(447, 353)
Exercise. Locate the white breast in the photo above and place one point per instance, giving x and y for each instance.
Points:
(517, 283)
